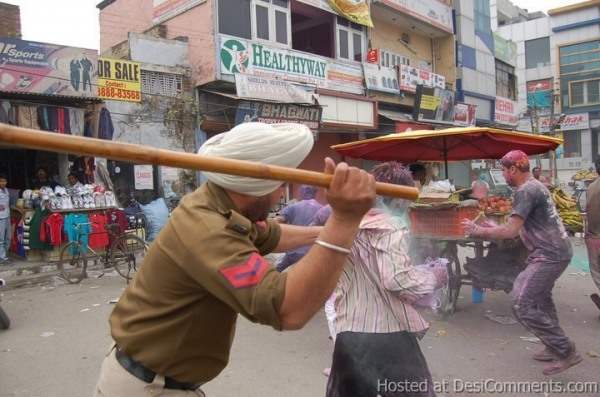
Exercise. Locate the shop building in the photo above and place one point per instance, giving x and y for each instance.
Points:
(301, 61)
(558, 76)
(51, 88)
(158, 109)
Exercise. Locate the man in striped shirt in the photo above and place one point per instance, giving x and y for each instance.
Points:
(375, 322)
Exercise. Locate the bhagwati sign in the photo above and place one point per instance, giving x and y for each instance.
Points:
(272, 113)
(243, 56)
(49, 69)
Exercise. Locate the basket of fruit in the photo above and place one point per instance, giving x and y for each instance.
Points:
(496, 208)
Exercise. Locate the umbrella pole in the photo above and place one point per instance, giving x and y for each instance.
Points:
(446, 159)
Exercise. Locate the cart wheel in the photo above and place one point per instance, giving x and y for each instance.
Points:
(4, 320)
(73, 263)
(451, 292)
(126, 255)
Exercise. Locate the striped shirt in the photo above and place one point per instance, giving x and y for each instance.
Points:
(379, 282)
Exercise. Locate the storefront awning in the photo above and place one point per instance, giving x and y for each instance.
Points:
(403, 121)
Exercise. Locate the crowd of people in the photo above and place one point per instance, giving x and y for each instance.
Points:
(174, 325)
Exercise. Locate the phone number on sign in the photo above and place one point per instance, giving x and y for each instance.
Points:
(112, 92)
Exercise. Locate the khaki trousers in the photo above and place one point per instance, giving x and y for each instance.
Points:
(115, 381)
(593, 249)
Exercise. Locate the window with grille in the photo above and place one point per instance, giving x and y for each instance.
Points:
(158, 83)
(390, 59)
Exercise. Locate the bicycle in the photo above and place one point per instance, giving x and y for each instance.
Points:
(126, 250)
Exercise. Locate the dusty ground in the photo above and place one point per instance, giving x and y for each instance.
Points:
(59, 335)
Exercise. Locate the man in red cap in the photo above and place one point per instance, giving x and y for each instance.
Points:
(536, 220)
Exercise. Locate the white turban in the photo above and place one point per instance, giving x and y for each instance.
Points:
(275, 144)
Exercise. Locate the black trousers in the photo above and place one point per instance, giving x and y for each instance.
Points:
(371, 364)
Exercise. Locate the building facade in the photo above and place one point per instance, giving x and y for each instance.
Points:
(558, 75)
(299, 60)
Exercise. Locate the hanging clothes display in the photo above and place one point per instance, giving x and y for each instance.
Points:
(76, 121)
(17, 245)
(8, 113)
(75, 232)
(84, 167)
(99, 235)
(52, 230)
(27, 117)
(105, 128)
(35, 225)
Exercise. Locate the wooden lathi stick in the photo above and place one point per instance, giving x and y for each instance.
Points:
(141, 154)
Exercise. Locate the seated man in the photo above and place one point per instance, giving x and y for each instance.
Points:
(376, 326)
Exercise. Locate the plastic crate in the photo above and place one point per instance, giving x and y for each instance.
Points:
(446, 222)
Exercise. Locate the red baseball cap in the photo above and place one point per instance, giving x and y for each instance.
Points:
(518, 158)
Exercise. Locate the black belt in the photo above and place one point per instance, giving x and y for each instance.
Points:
(147, 375)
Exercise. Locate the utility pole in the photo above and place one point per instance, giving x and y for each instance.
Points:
(554, 128)
(534, 115)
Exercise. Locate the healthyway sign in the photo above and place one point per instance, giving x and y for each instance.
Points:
(242, 56)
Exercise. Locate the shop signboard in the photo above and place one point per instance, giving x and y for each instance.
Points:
(166, 9)
(373, 55)
(571, 122)
(464, 114)
(143, 177)
(425, 78)
(409, 78)
(434, 105)
(438, 80)
(434, 12)
(119, 80)
(539, 94)
(272, 113)
(47, 69)
(381, 78)
(505, 50)
(257, 87)
(258, 59)
(506, 112)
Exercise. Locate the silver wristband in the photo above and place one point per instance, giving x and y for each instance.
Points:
(333, 247)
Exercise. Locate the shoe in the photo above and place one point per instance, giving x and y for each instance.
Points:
(545, 355)
(596, 299)
(562, 364)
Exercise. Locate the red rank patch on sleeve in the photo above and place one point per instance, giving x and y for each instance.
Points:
(247, 274)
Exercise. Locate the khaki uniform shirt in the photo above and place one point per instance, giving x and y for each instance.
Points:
(178, 315)
(593, 208)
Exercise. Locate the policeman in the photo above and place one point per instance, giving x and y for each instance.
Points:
(174, 325)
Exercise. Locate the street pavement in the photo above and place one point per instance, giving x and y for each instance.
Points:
(60, 334)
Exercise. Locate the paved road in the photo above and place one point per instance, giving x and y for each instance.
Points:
(60, 334)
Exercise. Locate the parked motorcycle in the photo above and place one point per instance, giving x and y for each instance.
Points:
(4, 320)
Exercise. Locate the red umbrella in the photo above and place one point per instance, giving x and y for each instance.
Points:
(452, 144)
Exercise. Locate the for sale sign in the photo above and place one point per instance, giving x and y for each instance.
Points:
(119, 80)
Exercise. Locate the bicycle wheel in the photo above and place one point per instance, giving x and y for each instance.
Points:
(126, 255)
(73, 263)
